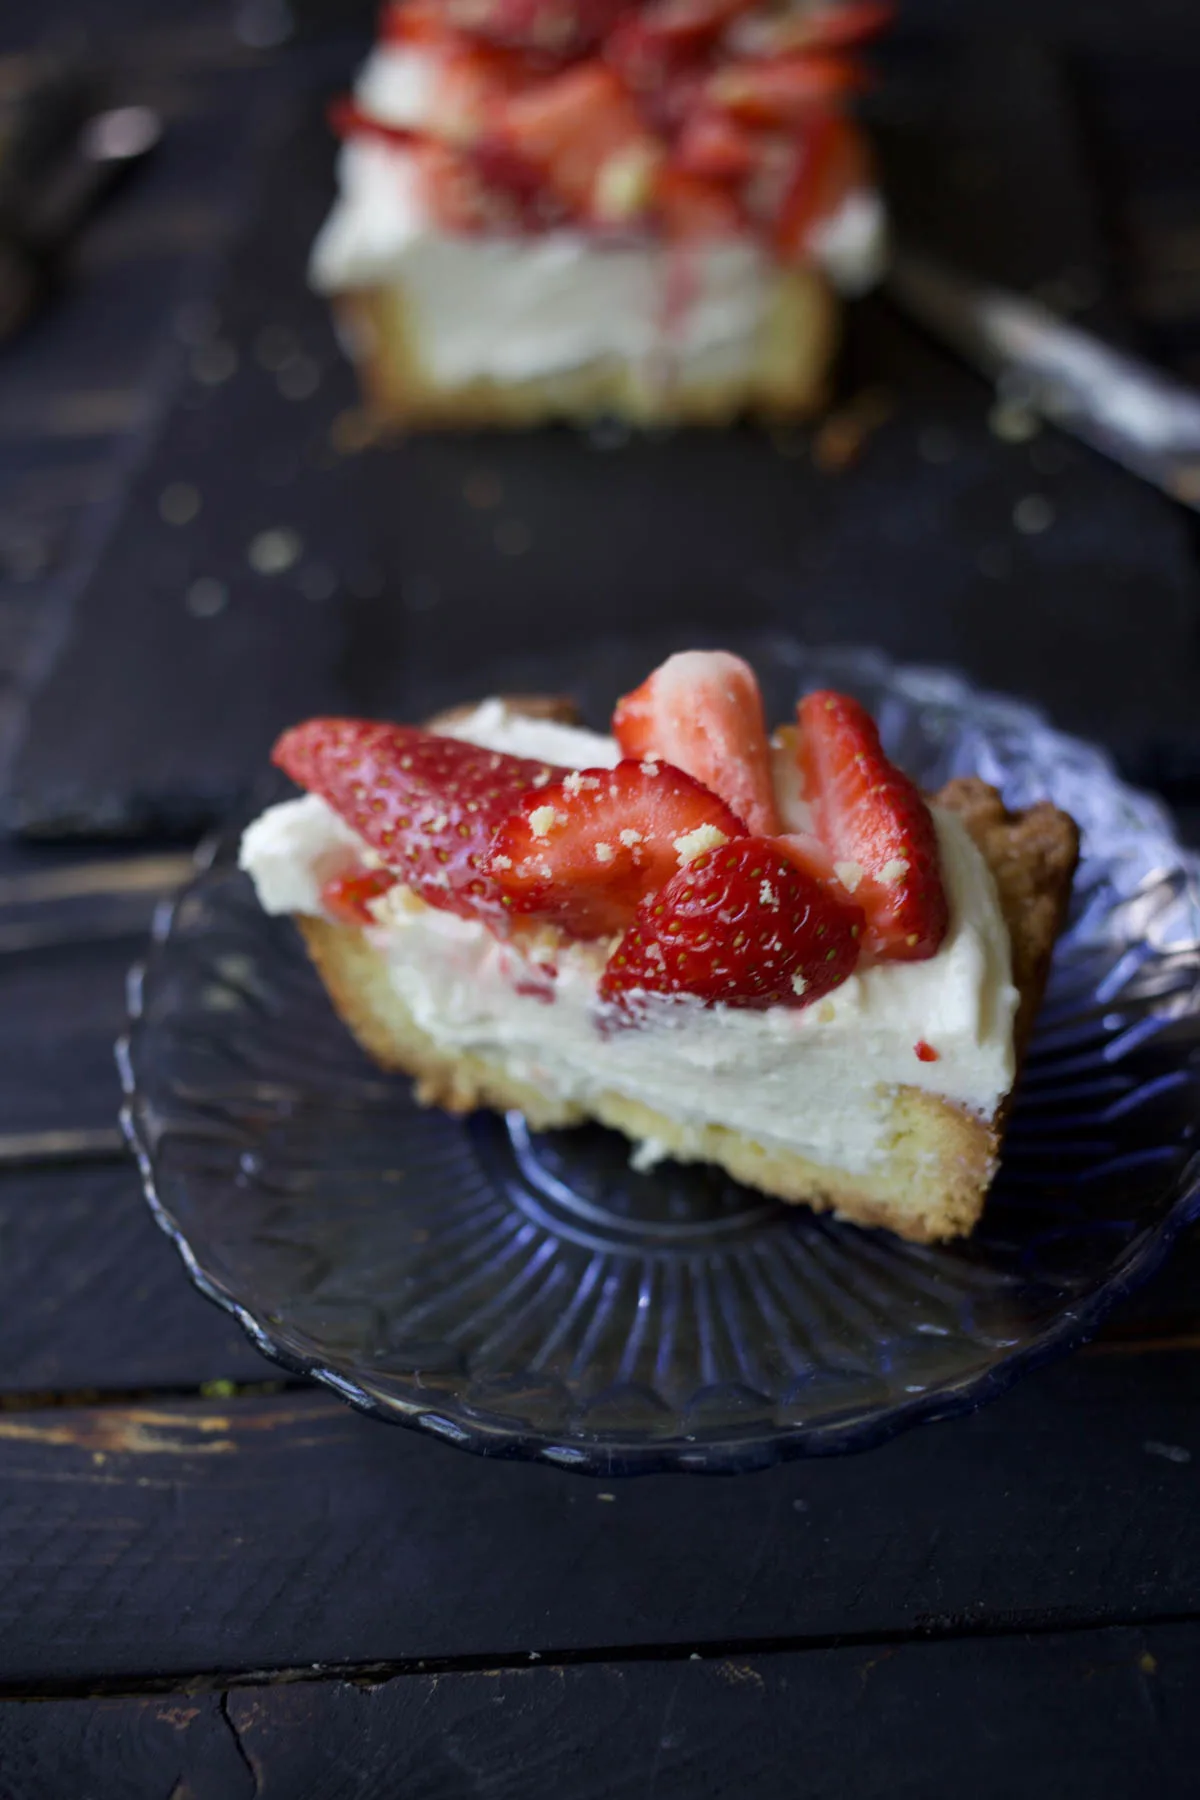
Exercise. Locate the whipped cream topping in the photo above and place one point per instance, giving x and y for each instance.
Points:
(815, 1080)
(522, 307)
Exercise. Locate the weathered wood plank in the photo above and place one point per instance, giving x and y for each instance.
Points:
(60, 1010)
(161, 1540)
(179, 1746)
(1093, 1714)
(93, 1296)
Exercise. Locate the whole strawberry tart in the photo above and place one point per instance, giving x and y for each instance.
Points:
(772, 953)
(563, 208)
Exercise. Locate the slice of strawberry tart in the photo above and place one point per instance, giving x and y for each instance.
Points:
(565, 208)
(775, 955)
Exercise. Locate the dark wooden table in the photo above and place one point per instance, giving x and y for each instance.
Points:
(217, 1582)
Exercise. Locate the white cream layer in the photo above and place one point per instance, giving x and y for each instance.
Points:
(814, 1080)
(519, 308)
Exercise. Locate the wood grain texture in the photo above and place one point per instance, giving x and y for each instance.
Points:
(93, 1296)
(60, 1010)
(1088, 1716)
(180, 1537)
(178, 1747)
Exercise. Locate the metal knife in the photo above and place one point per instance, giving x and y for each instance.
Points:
(1121, 406)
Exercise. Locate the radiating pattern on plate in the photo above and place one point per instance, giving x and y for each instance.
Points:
(529, 1294)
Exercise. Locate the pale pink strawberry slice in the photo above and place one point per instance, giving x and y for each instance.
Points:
(743, 926)
(582, 852)
(875, 823)
(583, 134)
(702, 711)
(428, 805)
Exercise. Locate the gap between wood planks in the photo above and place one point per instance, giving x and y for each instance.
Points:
(734, 1650)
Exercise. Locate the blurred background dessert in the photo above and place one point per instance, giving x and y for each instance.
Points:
(562, 208)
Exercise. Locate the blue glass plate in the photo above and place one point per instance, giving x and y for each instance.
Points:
(527, 1294)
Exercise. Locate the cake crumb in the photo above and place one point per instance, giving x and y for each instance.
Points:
(631, 838)
(894, 871)
(767, 895)
(849, 874)
(799, 985)
(604, 853)
(543, 819)
(647, 1155)
(694, 843)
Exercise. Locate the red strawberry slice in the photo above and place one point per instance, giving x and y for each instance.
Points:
(348, 897)
(742, 926)
(830, 163)
(584, 851)
(875, 822)
(714, 146)
(702, 711)
(429, 805)
(693, 209)
(452, 190)
(555, 28)
(584, 135)
(782, 90)
(841, 26)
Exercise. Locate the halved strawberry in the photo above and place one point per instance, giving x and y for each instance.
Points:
(348, 897)
(347, 119)
(556, 28)
(875, 822)
(692, 209)
(584, 851)
(702, 711)
(840, 26)
(581, 131)
(781, 90)
(413, 22)
(429, 805)
(740, 926)
(714, 146)
(452, 189)
(468, 84)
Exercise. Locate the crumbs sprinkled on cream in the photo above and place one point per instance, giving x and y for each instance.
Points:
(694, 843)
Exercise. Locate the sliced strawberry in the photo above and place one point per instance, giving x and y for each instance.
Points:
(716, 147)
(742, 926)
(702, 711)
(583, 852)
(468, 85)
(873, 819)
(555, 28)
(348, 897)
(413, 22)
(347, 119)
(429, 805)
(831, 161)
(451, 188)
(581, 131)
(841, 26)
(692, 209)
(837, 27)
(782, 90)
